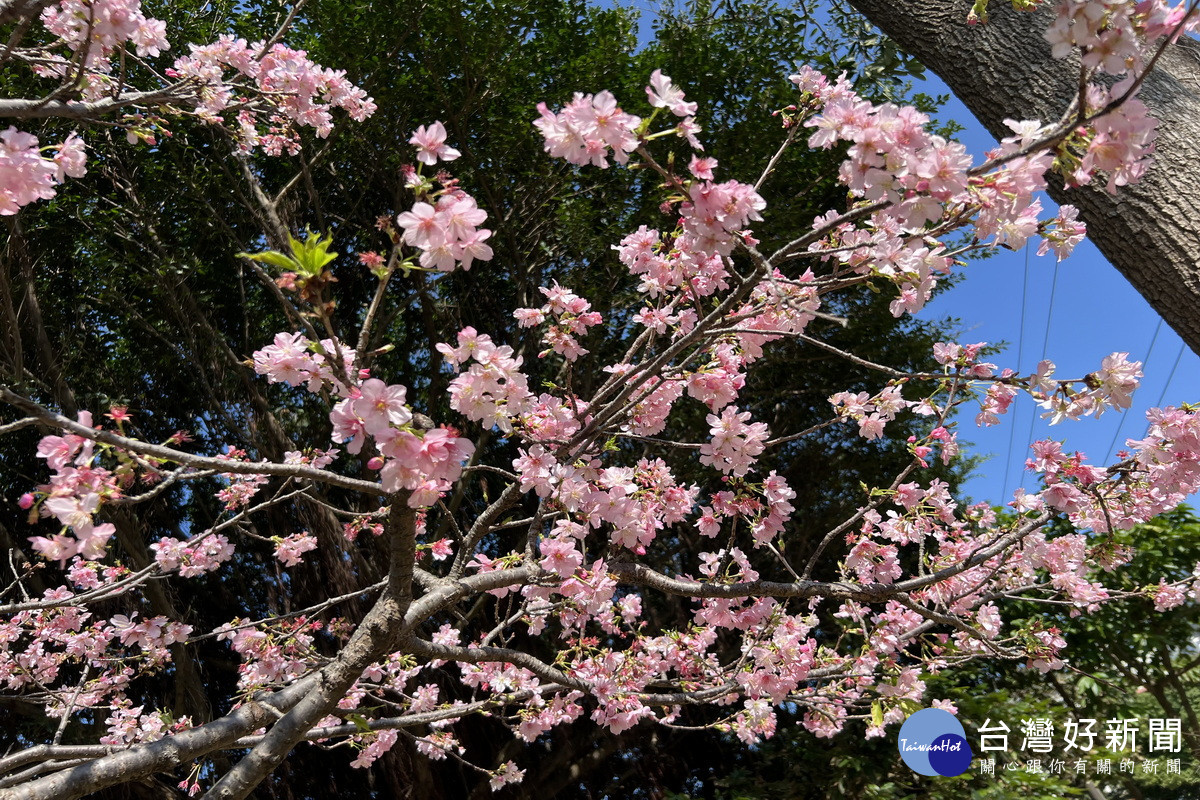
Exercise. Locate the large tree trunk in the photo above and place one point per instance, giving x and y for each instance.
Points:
(1003, 70)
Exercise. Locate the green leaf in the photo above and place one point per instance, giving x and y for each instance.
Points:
(312, 254)
(274, 258)
(308, 258)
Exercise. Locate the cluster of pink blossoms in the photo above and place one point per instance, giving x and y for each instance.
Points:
(425, 464)
(447, 233)
(291, 90)
(871, 413)
(572, 317)
(637, 502)
(302, 92)
(712, 218)
(1123, 140)
(443, 224)
(128, 724)
(764, 510)
(1167, 596)
(100, 28)
(717, 383)
(585, 130)
(1062, 233)
(290, 550)
(1111, 386)
(920, 177)
(778, 307)
(493, 390)
(590, 125)
(26, 175)
(293, 359)
(40, 645)
(668, 264)
(192, 557)
(716, 214)
(281, 653)
(1114, 35)
(80, 487)
(149, 634)
(242, 486)
(371, 409)
(1167, 470)
(736, 442)
(73, 496)
(377, 745)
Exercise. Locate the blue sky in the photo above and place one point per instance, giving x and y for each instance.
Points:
(1075, 314)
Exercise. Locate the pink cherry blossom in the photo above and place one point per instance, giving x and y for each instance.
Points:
(664, 94)
(290, 550)
(431, 144)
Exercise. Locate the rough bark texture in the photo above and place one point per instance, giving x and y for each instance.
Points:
(164, 755)
(1003, 70)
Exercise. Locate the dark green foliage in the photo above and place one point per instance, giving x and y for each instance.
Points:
(143, 301)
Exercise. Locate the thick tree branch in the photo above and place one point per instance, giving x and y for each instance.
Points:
(163, 755)
(374, 638)
(94, 110)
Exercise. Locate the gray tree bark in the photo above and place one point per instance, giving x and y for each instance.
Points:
(1003, 70)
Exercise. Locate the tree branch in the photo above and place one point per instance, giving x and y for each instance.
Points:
(179, 457)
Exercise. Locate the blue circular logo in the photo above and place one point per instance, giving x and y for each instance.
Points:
(933, 742)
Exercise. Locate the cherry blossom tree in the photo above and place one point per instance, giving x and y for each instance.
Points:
(563, 541)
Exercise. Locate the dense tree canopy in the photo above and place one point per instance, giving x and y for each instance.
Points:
(147, 305)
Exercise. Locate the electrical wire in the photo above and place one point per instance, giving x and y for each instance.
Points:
(1012, 428)
(1045, 341)
(1163, 394)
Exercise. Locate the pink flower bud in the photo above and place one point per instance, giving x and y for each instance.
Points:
(375, 463)
(26, 501)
